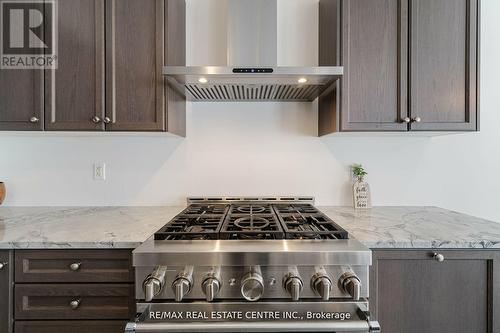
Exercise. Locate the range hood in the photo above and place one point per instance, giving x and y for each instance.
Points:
(252, 73)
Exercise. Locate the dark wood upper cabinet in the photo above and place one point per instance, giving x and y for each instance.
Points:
(411, 292)
(175, 55)
(134, 61)
(21, 100)
(74, 92)
(408, 65)
(371, 96)
(142, 37)
(444, 63)
(109, 75)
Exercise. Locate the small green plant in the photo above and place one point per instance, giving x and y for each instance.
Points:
(358, 170)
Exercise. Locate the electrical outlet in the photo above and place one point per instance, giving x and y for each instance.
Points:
(99, 171)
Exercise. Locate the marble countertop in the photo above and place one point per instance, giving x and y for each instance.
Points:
(80, 227)
(416, 227)
(127, 227)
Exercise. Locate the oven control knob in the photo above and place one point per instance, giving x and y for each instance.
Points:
(181, 288)
(350, 283)
(294, 285)
(322, 285)
(252, 285)
(153, 284)
(211, 287)
(183, 283)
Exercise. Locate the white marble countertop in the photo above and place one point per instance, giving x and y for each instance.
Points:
(80, 227)
(127, 227)
(416, 227)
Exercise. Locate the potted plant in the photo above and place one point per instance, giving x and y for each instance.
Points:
(361, 189)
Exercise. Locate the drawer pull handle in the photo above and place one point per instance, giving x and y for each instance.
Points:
(74, 304)
(2, 265)
(438, 257)
(75, 266)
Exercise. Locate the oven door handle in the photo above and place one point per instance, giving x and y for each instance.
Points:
(266, 326)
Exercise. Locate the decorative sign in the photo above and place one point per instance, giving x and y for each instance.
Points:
(361, 191)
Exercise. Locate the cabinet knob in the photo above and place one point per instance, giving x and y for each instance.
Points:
(74, 304)
(417, 119)
(406, 120)
(34, 120)
(2, 265)
(107, 120)
(75, 266)
(438, 257)
(96, 120)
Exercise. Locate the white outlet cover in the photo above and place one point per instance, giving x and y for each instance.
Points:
(99, 171)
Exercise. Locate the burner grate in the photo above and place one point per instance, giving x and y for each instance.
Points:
(292, 209)
(205, 210)
(250, 209)
(254, 226)
(311, 226)
(196, 222)
(191, 228)
(250, 220)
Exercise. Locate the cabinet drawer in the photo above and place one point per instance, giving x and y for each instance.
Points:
(74, 266)
(54, 301)
(101, 326)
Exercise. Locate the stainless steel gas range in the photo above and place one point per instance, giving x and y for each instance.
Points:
(252, 265)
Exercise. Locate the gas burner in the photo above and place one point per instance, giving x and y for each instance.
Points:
(251, 223)
(251, 227)
(251, 209)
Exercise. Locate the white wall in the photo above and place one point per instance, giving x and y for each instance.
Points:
(264, 149)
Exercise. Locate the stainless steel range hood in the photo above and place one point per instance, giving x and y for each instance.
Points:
(252, 73)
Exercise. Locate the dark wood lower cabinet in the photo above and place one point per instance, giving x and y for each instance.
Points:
(74, 291)
(98, 326)
(411, 292)
(6, 283)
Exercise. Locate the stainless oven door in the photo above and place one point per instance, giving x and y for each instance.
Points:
(254, 317)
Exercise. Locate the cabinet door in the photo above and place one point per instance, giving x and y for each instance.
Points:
(6, 285)
(74, 93)
(135, 98)
(372, 94)
(412, 292)
(443, 66)
(56, 301)
(73, 326)
(21, 100)
(75, 266)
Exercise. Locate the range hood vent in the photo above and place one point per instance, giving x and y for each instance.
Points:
(252, 84)
(252, 73)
